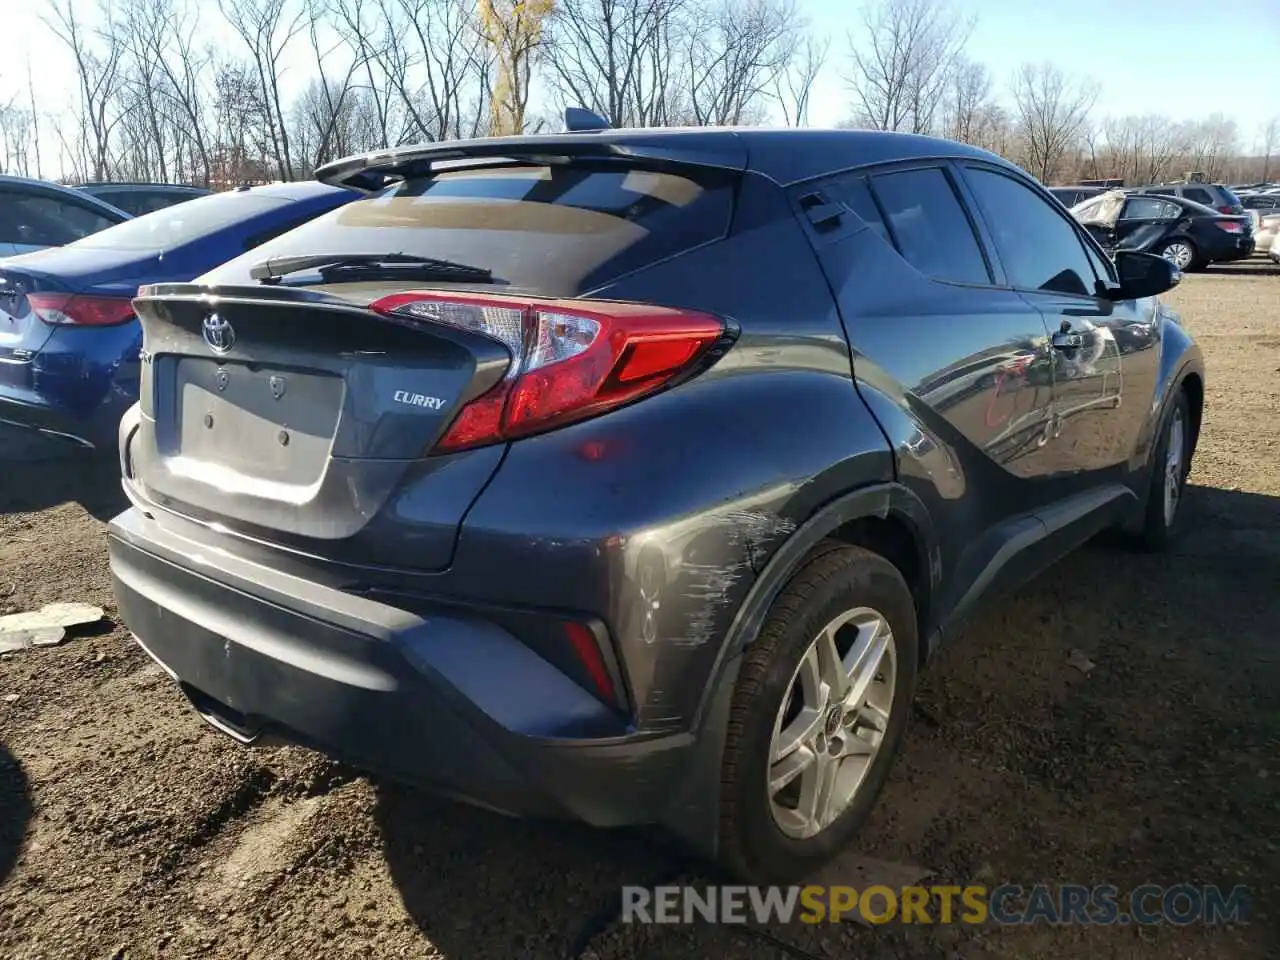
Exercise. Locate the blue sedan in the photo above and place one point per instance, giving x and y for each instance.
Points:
(69, 341)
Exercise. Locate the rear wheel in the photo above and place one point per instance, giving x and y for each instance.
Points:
(1182, 253)
(1169, 469)
(820, 708)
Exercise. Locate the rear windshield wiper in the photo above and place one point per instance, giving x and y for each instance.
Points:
(368, 266)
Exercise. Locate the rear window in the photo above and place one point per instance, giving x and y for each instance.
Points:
(557, 230)
(140, 202)
(181, 223)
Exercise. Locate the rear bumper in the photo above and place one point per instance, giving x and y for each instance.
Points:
(1241, 249)
(97, 430)
(453, 704)
(77, 386)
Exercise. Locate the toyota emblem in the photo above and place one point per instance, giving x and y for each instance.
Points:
(218, 333)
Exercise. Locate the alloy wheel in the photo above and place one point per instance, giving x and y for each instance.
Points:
(1173, 468)
(1179, 254)
(832, 721)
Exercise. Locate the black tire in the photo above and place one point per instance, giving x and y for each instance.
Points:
(1195, 263)
(836, 579)
(1158, 531)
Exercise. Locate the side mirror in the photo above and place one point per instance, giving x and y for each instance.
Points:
(1144, 275)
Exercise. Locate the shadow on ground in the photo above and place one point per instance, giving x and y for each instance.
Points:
(464, 877)
(15, 810)
(1245, 268)
(40, 472)
(1151, 766)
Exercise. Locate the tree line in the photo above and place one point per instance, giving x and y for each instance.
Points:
(154, 101)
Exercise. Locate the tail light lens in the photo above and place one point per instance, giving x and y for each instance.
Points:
(1231, 226)
(70, 309)
(1226, 210)
(572, 359)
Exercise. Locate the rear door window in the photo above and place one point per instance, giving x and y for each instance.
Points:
(556, 230)
(929, 226)
(1144, 208)
(35, 219)
(178, 224)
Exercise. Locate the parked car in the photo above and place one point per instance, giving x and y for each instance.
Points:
(523, 480)
(1213, 195)
(35, 214)
(140, 198)
(1070, 196)
(1261, 201)
(69, 341)
(1190, 235)
(1267, 228)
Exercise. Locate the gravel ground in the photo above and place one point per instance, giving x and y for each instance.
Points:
(128, 829)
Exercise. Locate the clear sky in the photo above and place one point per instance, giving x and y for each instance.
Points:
(1183, 58)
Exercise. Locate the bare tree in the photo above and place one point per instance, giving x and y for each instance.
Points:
(448, 42)
(734, 52)
(35, 120)
(1142, 149)
(602, 53)
(901, 56)
(267, 27)
(16, 126)
(1052, 113)
(1209, 145)
(98, 74)
(793, 87)
(514, 31)
(968, 100)
(1270, 136)
(242, 119)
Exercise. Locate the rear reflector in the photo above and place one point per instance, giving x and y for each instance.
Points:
(572, 359)
(587, 651)
(70, 309)
(1231, 226)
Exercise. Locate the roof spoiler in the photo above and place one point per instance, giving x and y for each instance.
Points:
(370, 172)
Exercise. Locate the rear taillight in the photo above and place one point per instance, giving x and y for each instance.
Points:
(63, 309)
(1231, 226)
(572, 359)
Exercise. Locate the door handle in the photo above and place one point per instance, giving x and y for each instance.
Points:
(1066, 341)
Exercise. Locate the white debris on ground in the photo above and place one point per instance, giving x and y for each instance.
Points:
(1078, 659)
(45, 627)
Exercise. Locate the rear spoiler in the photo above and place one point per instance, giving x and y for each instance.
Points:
(370, 172)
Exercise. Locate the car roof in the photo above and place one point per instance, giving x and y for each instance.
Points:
(139, 185)
(49, 187)
(292, 190)
(786, 156)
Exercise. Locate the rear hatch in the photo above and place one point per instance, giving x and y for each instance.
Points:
(302, 413)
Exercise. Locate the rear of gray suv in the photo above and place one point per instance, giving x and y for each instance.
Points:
(1212, 195)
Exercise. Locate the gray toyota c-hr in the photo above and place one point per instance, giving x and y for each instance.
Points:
(632, 476)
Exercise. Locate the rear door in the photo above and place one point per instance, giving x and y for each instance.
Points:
(1144, 221)
(921, 305)
(293, 414)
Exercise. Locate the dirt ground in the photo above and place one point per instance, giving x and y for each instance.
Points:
(128, 829)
